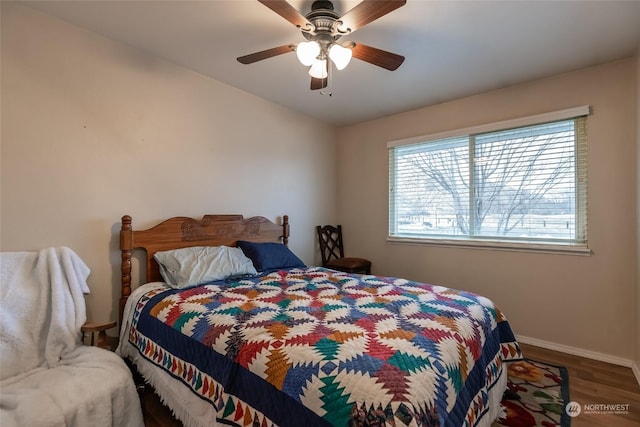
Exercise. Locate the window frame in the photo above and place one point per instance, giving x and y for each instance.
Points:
(534, 245)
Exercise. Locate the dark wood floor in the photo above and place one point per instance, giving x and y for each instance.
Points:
(595, 383)
(155, 413)
(590, 383)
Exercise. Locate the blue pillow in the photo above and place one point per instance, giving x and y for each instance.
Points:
(270, 256)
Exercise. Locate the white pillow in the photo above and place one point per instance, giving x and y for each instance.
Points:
(196, 265)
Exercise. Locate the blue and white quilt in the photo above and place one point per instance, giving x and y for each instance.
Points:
(316, 347)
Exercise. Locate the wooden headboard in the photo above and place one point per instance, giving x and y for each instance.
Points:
(182, 232)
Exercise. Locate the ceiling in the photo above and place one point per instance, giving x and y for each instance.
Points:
(452, 48)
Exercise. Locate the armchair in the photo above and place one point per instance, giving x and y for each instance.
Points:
(47, 377)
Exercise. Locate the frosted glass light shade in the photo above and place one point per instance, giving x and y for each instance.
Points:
(307, 52)
(319, 69)
(340, 56)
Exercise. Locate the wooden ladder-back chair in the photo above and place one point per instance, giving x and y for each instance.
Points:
(332, 252)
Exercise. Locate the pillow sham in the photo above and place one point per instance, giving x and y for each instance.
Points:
(182, 268)
(270, 256)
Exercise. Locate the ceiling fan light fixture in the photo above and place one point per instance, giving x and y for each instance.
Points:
(322, 28)
(307, 52)
(341, 56)
(319, 69)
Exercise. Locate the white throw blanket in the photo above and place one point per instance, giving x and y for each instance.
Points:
(42, 298)
(48, 377)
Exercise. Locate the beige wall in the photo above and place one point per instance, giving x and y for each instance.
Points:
(93, 129)
(585, 302)
(636, 367)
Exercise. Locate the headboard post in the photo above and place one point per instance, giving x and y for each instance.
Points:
(126, 246)
(285, 230)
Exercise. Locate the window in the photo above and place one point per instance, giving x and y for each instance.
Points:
(519, 184)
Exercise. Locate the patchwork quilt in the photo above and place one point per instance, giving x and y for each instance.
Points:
(316, 347)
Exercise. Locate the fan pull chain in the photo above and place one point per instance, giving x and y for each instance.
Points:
(327, 90)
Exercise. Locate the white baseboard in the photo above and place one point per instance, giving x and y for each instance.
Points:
(636, 371)
(602, 357)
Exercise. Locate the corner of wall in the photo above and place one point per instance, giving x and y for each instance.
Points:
(636, 361)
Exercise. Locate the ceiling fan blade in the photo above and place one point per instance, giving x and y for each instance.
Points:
(264, 54)
(368, 11)
(379, 57)
(318, 83)
(288, 12)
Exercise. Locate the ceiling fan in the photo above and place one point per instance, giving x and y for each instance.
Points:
(322, 28)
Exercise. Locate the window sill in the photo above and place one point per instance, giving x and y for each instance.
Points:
(495, 245)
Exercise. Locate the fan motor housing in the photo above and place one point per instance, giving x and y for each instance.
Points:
(324, 19)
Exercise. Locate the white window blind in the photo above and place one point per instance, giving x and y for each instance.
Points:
(524, 184)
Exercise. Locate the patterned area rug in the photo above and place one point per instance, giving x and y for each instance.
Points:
(536, 395)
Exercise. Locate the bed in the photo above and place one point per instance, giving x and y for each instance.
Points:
(291, 345)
